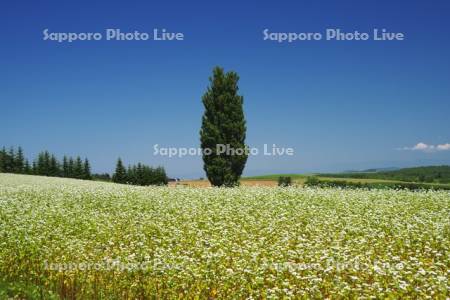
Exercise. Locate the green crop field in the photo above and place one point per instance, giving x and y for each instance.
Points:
(276, 176)
(358, 178)
(74, 239)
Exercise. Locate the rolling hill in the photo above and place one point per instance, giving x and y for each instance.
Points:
(428, 174)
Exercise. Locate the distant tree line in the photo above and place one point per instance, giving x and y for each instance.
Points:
(139, 174)
(101, 177)
(428, 174)
(314, 181)
(46, 164)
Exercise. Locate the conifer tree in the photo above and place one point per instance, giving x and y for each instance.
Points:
(161, 177)
(19, 161)
(54, 169)
(65, 167)
(87, 170)
(78, 168)
(120, 175)
(27, 167)
(139, 174)
(42, 164)
(38, 163)
(131, 175)
(9, 162)
(70, 168)
(46, 163)
(223, 123)
(34, 168)
(3, 159)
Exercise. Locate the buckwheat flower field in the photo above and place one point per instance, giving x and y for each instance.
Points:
(88, 240)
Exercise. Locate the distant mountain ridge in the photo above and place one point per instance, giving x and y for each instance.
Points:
(374, 170)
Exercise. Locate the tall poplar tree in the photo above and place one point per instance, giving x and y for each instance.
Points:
(223, 123)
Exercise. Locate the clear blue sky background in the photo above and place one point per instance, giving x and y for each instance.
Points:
(341, 105)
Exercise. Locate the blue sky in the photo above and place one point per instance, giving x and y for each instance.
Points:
(340, 104)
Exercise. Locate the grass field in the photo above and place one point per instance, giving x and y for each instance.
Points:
(90, 240)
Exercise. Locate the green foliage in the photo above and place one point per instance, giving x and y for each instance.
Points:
(284, 181)
(120, 175)
(314, 181)
(27, 168)
(139, 174)
(65, 167)
(78, 168)
(54, 169)
(20, 290)
(19, 161)
(101, 177)
(223, 123)
(10, 162)
(43, 164)
(430, 174)
(87, 170)
(275, 176)
(3, 155)
(71, 168)
(46, 164)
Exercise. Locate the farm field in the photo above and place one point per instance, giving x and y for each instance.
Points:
(300, 178)
(271, 181)
(243, 182)
(74, 239)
